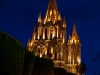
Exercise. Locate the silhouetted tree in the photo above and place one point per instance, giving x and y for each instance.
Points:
(81, 68)
(28, 63)
(11, 55)
(43, 66)
(59, 71)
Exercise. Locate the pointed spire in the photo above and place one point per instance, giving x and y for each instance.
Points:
(39, 18)
(64, 22)
(59, 16)
(34, 34)
(74, 32)
(52, 10)
(52, 5)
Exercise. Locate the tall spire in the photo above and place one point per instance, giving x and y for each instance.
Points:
(74, 32)
(52, 5)
(52, 11)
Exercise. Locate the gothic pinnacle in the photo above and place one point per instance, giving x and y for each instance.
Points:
(59, 16)
(39, 18)
(64, 22)
(52, 11)
(74, 32)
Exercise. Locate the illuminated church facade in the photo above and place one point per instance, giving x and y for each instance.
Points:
(49, 40)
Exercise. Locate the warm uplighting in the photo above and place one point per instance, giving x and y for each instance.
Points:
(43, 33)
(59, 17)
(39, 18)
(57, 31)
(78, 59)
(31, 42)
(50, 12)
(64, 22)
(54, 12)
(40, 55)
(49, 40)
(44, 21)
(54, 22)
(51, 50)
(34, 37)
(45, 51)
(48, 19)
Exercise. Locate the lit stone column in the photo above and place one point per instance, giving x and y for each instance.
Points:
(48, 33)
(69, 55)
(53, 33)
(43, 33)
(61, 51)
(38, 32)
(57, 31)
(46, 52)
(61, 35)
(41, 47)
(61, 55)
(64, 37)
(80, 54)
(73, 55)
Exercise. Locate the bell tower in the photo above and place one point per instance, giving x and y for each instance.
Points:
(49, 40)
(74, 50)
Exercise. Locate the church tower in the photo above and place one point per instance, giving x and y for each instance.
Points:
(74, 50)
(49, 40)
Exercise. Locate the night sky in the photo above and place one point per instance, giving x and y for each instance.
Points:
(18, 18)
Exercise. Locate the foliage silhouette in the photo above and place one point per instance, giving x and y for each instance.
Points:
(11, 55)
(43, 66)
(81, 68)
(28, 63)
(60, 71)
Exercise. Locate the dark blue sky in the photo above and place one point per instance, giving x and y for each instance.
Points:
(18, 18)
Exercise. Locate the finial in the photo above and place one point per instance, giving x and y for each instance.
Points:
(39, 18)
(64, 22)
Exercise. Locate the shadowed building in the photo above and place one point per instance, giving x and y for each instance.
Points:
(49, 40)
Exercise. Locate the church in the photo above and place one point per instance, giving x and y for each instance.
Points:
(49, 40)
